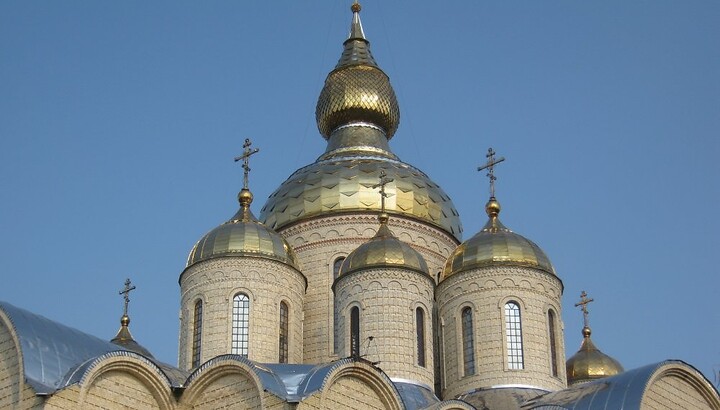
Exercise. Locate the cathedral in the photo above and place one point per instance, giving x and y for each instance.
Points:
(353, 288)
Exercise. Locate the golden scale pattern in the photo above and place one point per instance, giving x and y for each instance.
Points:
(346, 185)
(357, 93)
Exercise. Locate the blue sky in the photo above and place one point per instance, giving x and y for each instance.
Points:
(119, 122)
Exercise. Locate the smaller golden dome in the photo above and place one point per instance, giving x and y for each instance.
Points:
(384, 250)
(589, 363)
(496, 245)
(124, 339)
(242, 235)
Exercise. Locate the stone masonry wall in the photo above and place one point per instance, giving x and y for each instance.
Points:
(388, 299)
(266, 282)
(485, 291)
(318, 242)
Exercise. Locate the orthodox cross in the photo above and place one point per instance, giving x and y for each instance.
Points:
(490, 166)
(126, 294)
(383, 181)
(584, 302)
(245, 157)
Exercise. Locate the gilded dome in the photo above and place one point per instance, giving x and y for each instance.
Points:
(124, 338)
(384, 250)
(357, 90)
(496, 245)
(344, 184)
(357, 113)
(589, 363)
(242, 235)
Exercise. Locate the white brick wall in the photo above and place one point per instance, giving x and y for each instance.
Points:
(266, 282)
(486, 290)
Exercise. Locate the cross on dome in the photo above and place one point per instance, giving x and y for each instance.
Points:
(584, 301)
(126, 294)
(384, 180)
(490, 166)
(245, 157)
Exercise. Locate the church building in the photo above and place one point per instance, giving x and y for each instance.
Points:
(353, 288)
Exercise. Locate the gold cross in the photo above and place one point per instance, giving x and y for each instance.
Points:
(584, 302)
(490, 166)
(384, 180)
(245, 157)
(126, 294)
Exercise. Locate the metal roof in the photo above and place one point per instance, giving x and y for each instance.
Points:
(55, 356)
(624, 391)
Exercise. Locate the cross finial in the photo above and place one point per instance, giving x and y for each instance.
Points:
(490, 166)
(245, 157)
(126, 294)
(584, 302)
(384, 180)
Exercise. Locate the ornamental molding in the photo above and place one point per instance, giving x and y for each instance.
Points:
(384, 277)
(499, 278)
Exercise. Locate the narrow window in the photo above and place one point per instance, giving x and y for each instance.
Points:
(355, 332)
(336, 266)
(420, 324)
(240, 324)
(468, 344)
(513, 333)
(283, 333)
(336, 315)
(553, 341)
(197, 333)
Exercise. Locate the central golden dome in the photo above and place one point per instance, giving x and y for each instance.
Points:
(357, 113)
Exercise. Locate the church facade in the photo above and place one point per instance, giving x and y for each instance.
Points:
(351, 289)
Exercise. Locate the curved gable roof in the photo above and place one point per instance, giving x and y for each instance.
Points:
(54, 355)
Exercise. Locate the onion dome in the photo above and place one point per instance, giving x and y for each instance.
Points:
(125, 339)
(496, 245)
(589, 363)
(357, 113)
(357, 90)
(382, 251)
(242, 235)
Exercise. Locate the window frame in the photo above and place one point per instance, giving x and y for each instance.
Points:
(240, 321)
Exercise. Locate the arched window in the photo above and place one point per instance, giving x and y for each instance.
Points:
(355, 332)
(336, 266)
(420, 325)
(283, 343)
(336, 315)
(197, 333)
(468, 343)
(553, 343)
(513, 334)
(240, 325)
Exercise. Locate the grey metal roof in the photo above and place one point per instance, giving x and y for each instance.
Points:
(623, 391)
(500, 398)
(55, 356)
(290, 382)
(415, 396)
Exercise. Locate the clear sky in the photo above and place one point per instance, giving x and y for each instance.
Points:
(119, 122)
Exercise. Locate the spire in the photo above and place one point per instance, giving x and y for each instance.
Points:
(123, 337)
(356, 48)
(356, 30)
(245, 197)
